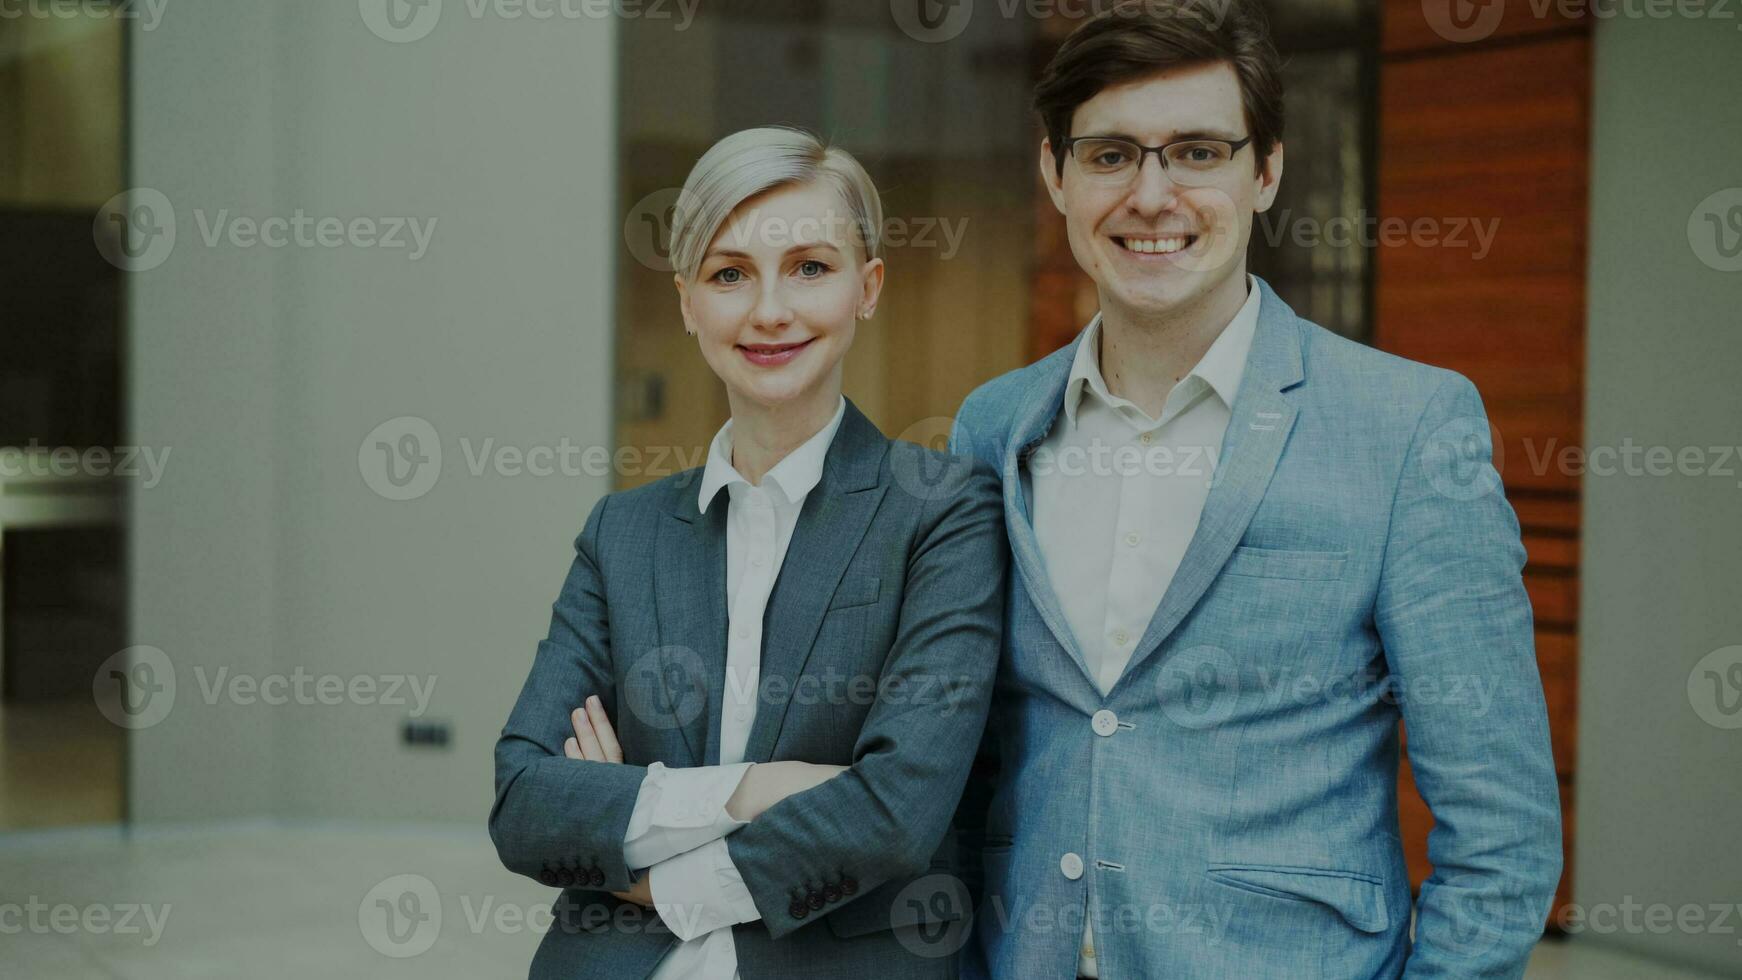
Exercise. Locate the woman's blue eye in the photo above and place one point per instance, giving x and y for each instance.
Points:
(728, 275)
(811, 268)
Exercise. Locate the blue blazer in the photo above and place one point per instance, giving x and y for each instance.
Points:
(1232, 812)
(880, 644)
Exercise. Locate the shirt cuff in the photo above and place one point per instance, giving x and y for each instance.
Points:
(700, 891)
(678, 810)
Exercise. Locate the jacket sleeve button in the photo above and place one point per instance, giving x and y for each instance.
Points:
(798, 909)
(849, 886)
(596, 876)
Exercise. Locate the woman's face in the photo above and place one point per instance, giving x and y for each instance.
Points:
(778, 295)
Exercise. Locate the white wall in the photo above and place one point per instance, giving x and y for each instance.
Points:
(264, 369)
(1660, 789)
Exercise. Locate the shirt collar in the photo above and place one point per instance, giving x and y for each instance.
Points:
(1221, 367)
(796, 475)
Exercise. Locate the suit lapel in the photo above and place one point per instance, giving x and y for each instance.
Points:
(1043, 402)
(690, 598)
(1258, 429)
(836, 515)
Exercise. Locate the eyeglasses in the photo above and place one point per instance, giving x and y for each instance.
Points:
(1189, 163)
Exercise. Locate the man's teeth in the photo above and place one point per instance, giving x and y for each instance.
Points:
(1155, 246)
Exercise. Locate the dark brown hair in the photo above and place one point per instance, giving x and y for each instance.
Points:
(1135, 38)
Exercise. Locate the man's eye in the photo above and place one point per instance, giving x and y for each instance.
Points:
(1111, 158)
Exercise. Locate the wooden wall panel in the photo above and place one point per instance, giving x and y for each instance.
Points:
(1494, 133)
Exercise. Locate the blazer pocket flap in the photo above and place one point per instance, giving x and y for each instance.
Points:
(855, 592)
(934, 900)
(1358, 898)
(1275, 563)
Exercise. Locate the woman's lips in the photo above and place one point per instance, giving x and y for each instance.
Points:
(772, 355)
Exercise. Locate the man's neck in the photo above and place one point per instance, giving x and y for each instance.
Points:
(1144, 356)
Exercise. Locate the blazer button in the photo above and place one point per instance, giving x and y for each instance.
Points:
(597, 877)
(815, 901)
(831, 893)
(849, 886)
(798, 909)
(547, 877)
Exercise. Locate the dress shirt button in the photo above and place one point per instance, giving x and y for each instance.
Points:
(1131, 538)
(1071, 865)
(1105, 722)
(743, 632)
(1119, 637)
(756, 560)
(1146, 439)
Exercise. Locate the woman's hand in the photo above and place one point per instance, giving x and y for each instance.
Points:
(767, 783)
(594, 739)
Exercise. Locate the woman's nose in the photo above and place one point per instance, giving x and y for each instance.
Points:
(772, 311)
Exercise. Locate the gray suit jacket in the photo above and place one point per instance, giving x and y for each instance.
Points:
(881, 640)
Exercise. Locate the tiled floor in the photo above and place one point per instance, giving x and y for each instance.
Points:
(265, 901)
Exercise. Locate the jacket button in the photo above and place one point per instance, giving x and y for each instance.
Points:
(798, 908)
(1071, 865)
(1104, 723)
(831, 893)
(596, 876)
(849, 886)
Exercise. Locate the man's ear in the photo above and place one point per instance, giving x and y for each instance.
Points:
(1049, 172)
(1270, 178)
(683, 304)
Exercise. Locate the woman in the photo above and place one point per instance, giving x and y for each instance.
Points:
(742, 743)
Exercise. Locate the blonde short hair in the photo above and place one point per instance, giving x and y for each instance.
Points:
(754, 161)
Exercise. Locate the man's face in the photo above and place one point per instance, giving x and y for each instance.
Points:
(1152, 246)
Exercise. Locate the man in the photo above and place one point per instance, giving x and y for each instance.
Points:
(1246, 549)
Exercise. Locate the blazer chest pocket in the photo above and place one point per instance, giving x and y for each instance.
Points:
(1276, 563)
(855, 592)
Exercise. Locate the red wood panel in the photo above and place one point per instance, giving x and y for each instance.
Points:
(1415, 26)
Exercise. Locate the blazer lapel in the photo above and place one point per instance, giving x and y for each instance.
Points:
(690, 598)
(836, 515)
(1044, 401)
(1260, 422)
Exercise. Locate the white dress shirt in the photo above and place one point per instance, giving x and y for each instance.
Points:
(1118, 495)
(678, 828)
